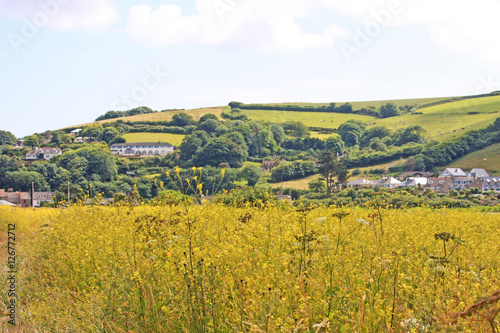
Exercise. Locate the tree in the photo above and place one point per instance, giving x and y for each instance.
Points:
(296, 128)
(56, 138)
(388, 110)
(22, 180)
(220, 150)
(182, 119)
(278, 133)
(209, 126)
(32, 141)
(332, 170)
(7, 138)
(93, 131)
(414, 133)
(190, 145)
(109, 134)
(317, 185)
(374, 132)
(351, 132)
(251, 173)
(335, 144)
(207, 117)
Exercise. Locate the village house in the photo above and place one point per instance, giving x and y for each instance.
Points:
(461, 183)
(142, 149)
(85, 139)
(3, 194)
(386, 182)
(413, 182)
(491, 184)
(43, 153)
(39, 197)
(439, 184)
(22, 199)
(19, 144)
(75, 132)
(453, 172)
(359, 183)
(478, 173)
(414, 174)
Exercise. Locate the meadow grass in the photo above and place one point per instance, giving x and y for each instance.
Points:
(214, 268)
(488, 159)
(174, 139)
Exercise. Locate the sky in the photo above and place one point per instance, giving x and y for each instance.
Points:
(66, 62)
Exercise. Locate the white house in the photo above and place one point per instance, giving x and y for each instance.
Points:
(453, 172)
(413, 182)
(491, 184)
(43, 153)
(39, 197)
(387, 182)
(75, 132)
(478, 173)
(359, 183)
(19, 144)
(142, 149)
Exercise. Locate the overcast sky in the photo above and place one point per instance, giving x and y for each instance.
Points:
(65, 62)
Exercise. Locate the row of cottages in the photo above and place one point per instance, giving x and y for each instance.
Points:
(43, 153)
(23, 199)
(450, 179)
(142, 149)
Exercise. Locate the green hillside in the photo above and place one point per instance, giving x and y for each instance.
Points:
(488, 159)
(441, 122)
(377, 104)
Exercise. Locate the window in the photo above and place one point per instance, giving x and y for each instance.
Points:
(441, 182)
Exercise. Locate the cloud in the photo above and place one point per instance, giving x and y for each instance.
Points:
(79, 15)
(460, 26)
(259, 25)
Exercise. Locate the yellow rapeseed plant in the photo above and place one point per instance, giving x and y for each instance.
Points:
(212, 268)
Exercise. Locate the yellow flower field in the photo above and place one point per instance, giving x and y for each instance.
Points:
(213, 268)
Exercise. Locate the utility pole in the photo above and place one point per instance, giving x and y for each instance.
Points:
(68, 195)
(32, 193)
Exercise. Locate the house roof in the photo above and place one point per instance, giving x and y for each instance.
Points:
(360, 182)
(141, 144)
(455, 172)
(478, 173)
(387, 180)
(6, 203)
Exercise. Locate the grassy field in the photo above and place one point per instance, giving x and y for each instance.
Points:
(377, 104)
(441, 122)
(174, 139)
(167, 115)
(215, 268)
(488, 159)
(300, 184)
(451, 119)
(310, 119)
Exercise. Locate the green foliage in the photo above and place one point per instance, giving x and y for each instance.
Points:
(88, 161)
(388, 110)
(32, 141)
(22, 180)
(7, 138)
(93, 131)
(296, 128)
(110, 134)
(182, 119)
(249, 195)
(351, 132)
(251, 173)
(292, 170)
(120, 114)
(317, 185)
(335, 144)
(221, 150)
